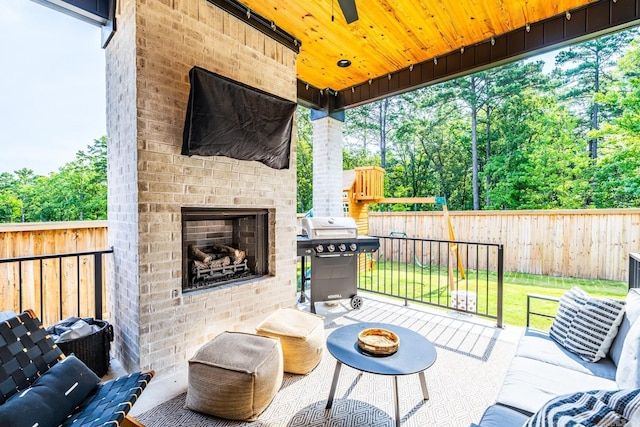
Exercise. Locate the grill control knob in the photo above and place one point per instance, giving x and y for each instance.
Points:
(353, 247)
(319, 248)
(342, 247)
(331, 247)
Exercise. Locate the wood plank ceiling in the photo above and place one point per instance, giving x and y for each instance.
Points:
(393, 35)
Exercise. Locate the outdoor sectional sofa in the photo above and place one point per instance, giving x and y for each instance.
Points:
(542, 370)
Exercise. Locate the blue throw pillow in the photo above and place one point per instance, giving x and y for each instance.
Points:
(52, 397)
(596, 408)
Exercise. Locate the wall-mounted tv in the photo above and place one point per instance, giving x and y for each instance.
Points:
(227, 118)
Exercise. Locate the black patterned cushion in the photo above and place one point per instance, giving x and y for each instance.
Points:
(596, 408)
(570, 304)
(51, 397)
(594, 327)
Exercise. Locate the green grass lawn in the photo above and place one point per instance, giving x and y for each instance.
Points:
(403, 280)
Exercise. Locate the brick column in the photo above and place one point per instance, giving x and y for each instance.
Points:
(158, 325)
(327, 163)
(123, 292)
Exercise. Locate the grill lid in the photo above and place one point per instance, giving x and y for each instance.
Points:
(329, 228)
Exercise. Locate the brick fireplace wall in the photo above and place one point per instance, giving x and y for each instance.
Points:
(148, 60)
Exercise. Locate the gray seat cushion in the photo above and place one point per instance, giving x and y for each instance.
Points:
(540, 346)
(530, 383)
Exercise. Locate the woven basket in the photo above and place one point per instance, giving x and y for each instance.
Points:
(93, 349)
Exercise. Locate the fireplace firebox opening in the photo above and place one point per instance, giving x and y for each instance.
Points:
(222, 246)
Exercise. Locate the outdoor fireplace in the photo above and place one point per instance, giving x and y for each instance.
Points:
(222, 246)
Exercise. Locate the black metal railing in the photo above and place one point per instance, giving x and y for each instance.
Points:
(634, 270)
(539, 311)
(51, 295)
(462, 276)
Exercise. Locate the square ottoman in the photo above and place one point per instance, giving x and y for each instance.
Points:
(301, 335)
(235, 376)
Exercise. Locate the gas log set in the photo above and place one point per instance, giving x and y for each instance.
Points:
(216, 263)
(222, 246)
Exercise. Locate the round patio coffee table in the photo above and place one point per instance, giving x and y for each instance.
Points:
(415, 354)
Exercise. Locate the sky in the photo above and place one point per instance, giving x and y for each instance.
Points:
(52, 87)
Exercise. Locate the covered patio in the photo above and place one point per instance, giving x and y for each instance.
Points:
(294, 52)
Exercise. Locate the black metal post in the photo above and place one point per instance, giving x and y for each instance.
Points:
(303, 278)
(500, 283)
(98, 284)
(41, 290)
(634, 270)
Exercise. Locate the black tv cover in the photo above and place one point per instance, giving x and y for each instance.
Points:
(227, 118)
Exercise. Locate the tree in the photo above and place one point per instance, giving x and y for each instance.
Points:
(482, 94)
(10, 205)
(538, 162)
(617, 173)
(586, 68)
(304, 160)
(429, 155)
(78, 191)
(25, 180)
(369, 126)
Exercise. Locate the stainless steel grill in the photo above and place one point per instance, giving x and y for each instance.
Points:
(332, 245)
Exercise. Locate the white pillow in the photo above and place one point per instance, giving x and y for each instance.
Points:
(628, 370)
(594, 327)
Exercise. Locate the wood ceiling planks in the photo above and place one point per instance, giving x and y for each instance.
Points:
(393, 34)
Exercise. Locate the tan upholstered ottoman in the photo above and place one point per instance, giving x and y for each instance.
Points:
(301, 335)
(235, 376)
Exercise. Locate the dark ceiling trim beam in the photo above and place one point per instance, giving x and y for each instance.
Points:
(585, 23)
(311, 97)
(258, 22)
(95, 12)
(109, 29)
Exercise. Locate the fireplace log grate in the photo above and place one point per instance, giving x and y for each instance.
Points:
(206, 276)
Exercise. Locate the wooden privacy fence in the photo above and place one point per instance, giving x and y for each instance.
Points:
(57, 286)
(572, 243)
(592, 244)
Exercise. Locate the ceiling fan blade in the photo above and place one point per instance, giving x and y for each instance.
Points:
(349, 10)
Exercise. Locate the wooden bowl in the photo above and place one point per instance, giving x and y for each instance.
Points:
(377, 341)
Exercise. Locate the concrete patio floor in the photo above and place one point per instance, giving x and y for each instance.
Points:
(450, 327)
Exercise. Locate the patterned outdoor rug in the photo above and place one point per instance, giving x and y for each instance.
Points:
(472, 360)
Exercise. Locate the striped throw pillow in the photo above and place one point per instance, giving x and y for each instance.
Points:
(594, 327)
(570, 304)
(597, 408)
